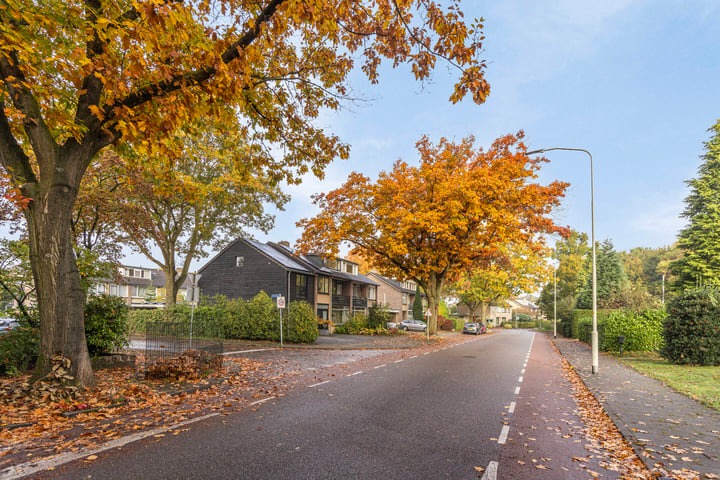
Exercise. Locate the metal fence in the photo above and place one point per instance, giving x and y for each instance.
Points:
(164, 340)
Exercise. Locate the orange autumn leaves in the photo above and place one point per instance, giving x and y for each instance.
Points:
(460, 208)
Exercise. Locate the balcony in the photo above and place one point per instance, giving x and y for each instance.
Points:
(339, 301)
(359, 303)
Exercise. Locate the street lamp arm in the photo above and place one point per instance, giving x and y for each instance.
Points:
(594, 338)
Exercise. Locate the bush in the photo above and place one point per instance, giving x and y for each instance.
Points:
(302, 323)
(507, 325)
(642, 330)
(138, 319)
(378, 316)
(692, 329)
(106, 324)
(19, 349)
(445, 324)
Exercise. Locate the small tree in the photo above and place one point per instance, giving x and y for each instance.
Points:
(692, 328)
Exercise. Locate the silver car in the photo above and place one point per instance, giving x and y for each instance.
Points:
(415, 325)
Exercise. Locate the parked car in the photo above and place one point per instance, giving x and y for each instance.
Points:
(415, 325)
(475, 328)
(7, 323)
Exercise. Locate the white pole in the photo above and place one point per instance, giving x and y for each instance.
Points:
(555, 307)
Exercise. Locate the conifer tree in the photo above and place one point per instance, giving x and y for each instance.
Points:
(700, 239)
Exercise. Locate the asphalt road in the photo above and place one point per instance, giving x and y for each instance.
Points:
(435, 415)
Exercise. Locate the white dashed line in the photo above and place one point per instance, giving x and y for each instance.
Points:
(490, 471)
(426, 353)
(517, 390)
(504, 434)
(356, 373)
(520, 380)
(511, 409)
(413, 356)
(522, 371)
(262, 401)
(398, 361)
(381, 366)
(318, 384)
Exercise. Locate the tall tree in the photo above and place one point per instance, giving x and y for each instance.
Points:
(460, 207)
(700, 239)
(80, 75)
(187, 205)
(417, 307)
(611, 279)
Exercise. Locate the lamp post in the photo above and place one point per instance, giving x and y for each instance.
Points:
(594, 337)
(555, 305)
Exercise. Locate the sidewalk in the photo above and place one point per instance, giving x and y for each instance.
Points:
(663, 426)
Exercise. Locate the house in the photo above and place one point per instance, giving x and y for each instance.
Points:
(523, 305)
(495, 315)
(140, 287)
(246, 267)
(397, 296)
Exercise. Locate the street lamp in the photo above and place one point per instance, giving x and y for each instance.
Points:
(594, 337)
(555, 305)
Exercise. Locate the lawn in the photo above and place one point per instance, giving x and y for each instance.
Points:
(700, 383)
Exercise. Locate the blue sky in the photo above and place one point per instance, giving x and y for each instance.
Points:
(633, 82)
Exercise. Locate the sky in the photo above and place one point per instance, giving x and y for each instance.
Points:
(634, 82)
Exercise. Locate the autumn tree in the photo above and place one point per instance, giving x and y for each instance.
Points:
(699, 240)
(482, 287)
(187, 205)
(80, 75)
(458, 208)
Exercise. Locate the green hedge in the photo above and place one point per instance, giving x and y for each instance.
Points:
(106, 324)
(642, 330)
(256, 319)
(692, 328)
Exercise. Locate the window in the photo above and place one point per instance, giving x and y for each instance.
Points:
(323, 285)
(137, 291)
(349, 268)
(300, 286)
(371, 293)
(404, 298)
(332, 263)
(122, 291)
(357, 293)
(337, 288)
(239, 261)
(114, 290)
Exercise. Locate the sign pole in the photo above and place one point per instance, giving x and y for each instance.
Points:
(280, 302)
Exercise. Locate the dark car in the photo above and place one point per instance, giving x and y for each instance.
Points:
(416, 325)
(475, 328)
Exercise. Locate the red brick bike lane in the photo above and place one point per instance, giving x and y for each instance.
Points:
(547, 437)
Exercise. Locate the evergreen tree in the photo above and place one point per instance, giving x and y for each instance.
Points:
(700, 239)
(611, 279)
(417, 308)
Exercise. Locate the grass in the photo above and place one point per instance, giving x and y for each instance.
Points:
(699, 382)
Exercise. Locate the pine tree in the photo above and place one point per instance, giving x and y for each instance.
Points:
(611, 278)
(700, 239)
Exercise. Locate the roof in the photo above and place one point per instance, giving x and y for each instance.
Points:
(279, 257)
(393, 283)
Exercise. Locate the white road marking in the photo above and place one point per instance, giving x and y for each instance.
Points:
(504, 434)
(318, 384)
(512, 407)
(520, 379)
(517, 390)
(398, 361)
(490, 471)
(262, 401)
(381, 366)
(30, 468)
(522, 371)
(413, 356)
(356, 373)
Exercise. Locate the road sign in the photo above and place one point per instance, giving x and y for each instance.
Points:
(280, 302)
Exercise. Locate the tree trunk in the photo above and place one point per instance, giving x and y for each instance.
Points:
(60, 297)
(170, 287)
(483, 312)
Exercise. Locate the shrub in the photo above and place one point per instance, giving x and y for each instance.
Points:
(354, 326)
(138, 319)
(642, 330)
(507, 325)
(692, 328)
(19, 349)
(378, 316)
(106, 324)
(263, 319)
(302, 323)
(445, 324)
